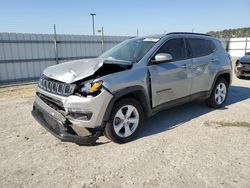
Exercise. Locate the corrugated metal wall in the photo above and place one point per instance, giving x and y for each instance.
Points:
(24, 56)
(236, 47)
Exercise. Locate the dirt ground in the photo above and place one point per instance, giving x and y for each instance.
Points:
(187, 146)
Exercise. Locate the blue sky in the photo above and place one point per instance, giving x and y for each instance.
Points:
(123, 17)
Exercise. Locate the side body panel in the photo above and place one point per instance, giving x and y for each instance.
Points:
(137, 76)
(170, 81)
(205, 68)
(202, 71)
(219, 63)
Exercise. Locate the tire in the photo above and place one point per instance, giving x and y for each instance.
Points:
(219, 94)
(124, 126)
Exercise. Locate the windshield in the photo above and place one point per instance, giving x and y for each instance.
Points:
(130, 50)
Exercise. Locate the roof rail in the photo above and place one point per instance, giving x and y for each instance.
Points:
(188, 33)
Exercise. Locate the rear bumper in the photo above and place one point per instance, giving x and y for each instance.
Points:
(57, 125)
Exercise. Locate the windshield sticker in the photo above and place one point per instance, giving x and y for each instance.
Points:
(150, 40)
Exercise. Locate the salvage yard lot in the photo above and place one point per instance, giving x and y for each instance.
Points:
(187, 146)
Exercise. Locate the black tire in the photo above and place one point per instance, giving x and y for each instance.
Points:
(109, 131)
(211, 101)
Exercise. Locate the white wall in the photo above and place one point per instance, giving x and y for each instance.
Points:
(236, 47)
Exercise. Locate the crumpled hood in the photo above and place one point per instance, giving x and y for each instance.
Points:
(72, 71)
(245, 59)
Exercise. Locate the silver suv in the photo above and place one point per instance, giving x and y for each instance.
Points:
(80, 100)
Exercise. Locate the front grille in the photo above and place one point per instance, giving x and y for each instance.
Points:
(55, 104)
(56, 87)
(246, 65)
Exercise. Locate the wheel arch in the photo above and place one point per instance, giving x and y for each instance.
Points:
(136, 92)
(226, 74)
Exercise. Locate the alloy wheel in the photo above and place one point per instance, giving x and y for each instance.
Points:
(126, 121)
(220, 93)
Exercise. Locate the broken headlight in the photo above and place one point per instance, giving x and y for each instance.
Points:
(239, 64)
(91, 88)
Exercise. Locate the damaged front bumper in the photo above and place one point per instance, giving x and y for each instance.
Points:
(242, 70)
(61, 130)
(65, 127)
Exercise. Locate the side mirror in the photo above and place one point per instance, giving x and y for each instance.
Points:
(162, 57)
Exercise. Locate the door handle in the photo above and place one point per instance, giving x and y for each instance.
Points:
(185, 66)
(213, 60)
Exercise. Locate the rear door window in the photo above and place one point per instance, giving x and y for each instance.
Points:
(201, 47)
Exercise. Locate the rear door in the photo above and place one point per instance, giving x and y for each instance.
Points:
(171, 80)
(202, 54)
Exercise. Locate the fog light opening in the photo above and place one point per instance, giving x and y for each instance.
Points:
(79, 114)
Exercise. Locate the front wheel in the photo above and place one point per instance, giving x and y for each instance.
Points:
(125, 121)
(219, 94)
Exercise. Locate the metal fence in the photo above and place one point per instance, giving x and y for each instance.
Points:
(24, 56)
(236, 47)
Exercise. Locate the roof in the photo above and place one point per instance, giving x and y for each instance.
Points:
(175, 33)
(159, 36)
(189, 33)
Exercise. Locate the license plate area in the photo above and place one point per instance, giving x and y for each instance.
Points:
(50, 122)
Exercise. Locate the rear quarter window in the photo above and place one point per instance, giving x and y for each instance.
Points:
(201, 47)
(211, 45)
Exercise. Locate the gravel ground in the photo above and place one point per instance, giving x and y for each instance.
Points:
(187, 146)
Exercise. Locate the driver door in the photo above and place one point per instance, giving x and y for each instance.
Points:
(171, 80)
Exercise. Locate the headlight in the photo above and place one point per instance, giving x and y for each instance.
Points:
(95, 86)
(239, 64)
(91, 88)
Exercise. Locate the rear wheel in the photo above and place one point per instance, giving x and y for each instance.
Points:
(125, 121)
(219, 94)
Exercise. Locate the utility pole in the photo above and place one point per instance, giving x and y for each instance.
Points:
(93, 22)
(55, 45)
(246, 45)
(102, 40)
(102, 31)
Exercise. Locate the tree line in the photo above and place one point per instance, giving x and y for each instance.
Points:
(231, 33)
